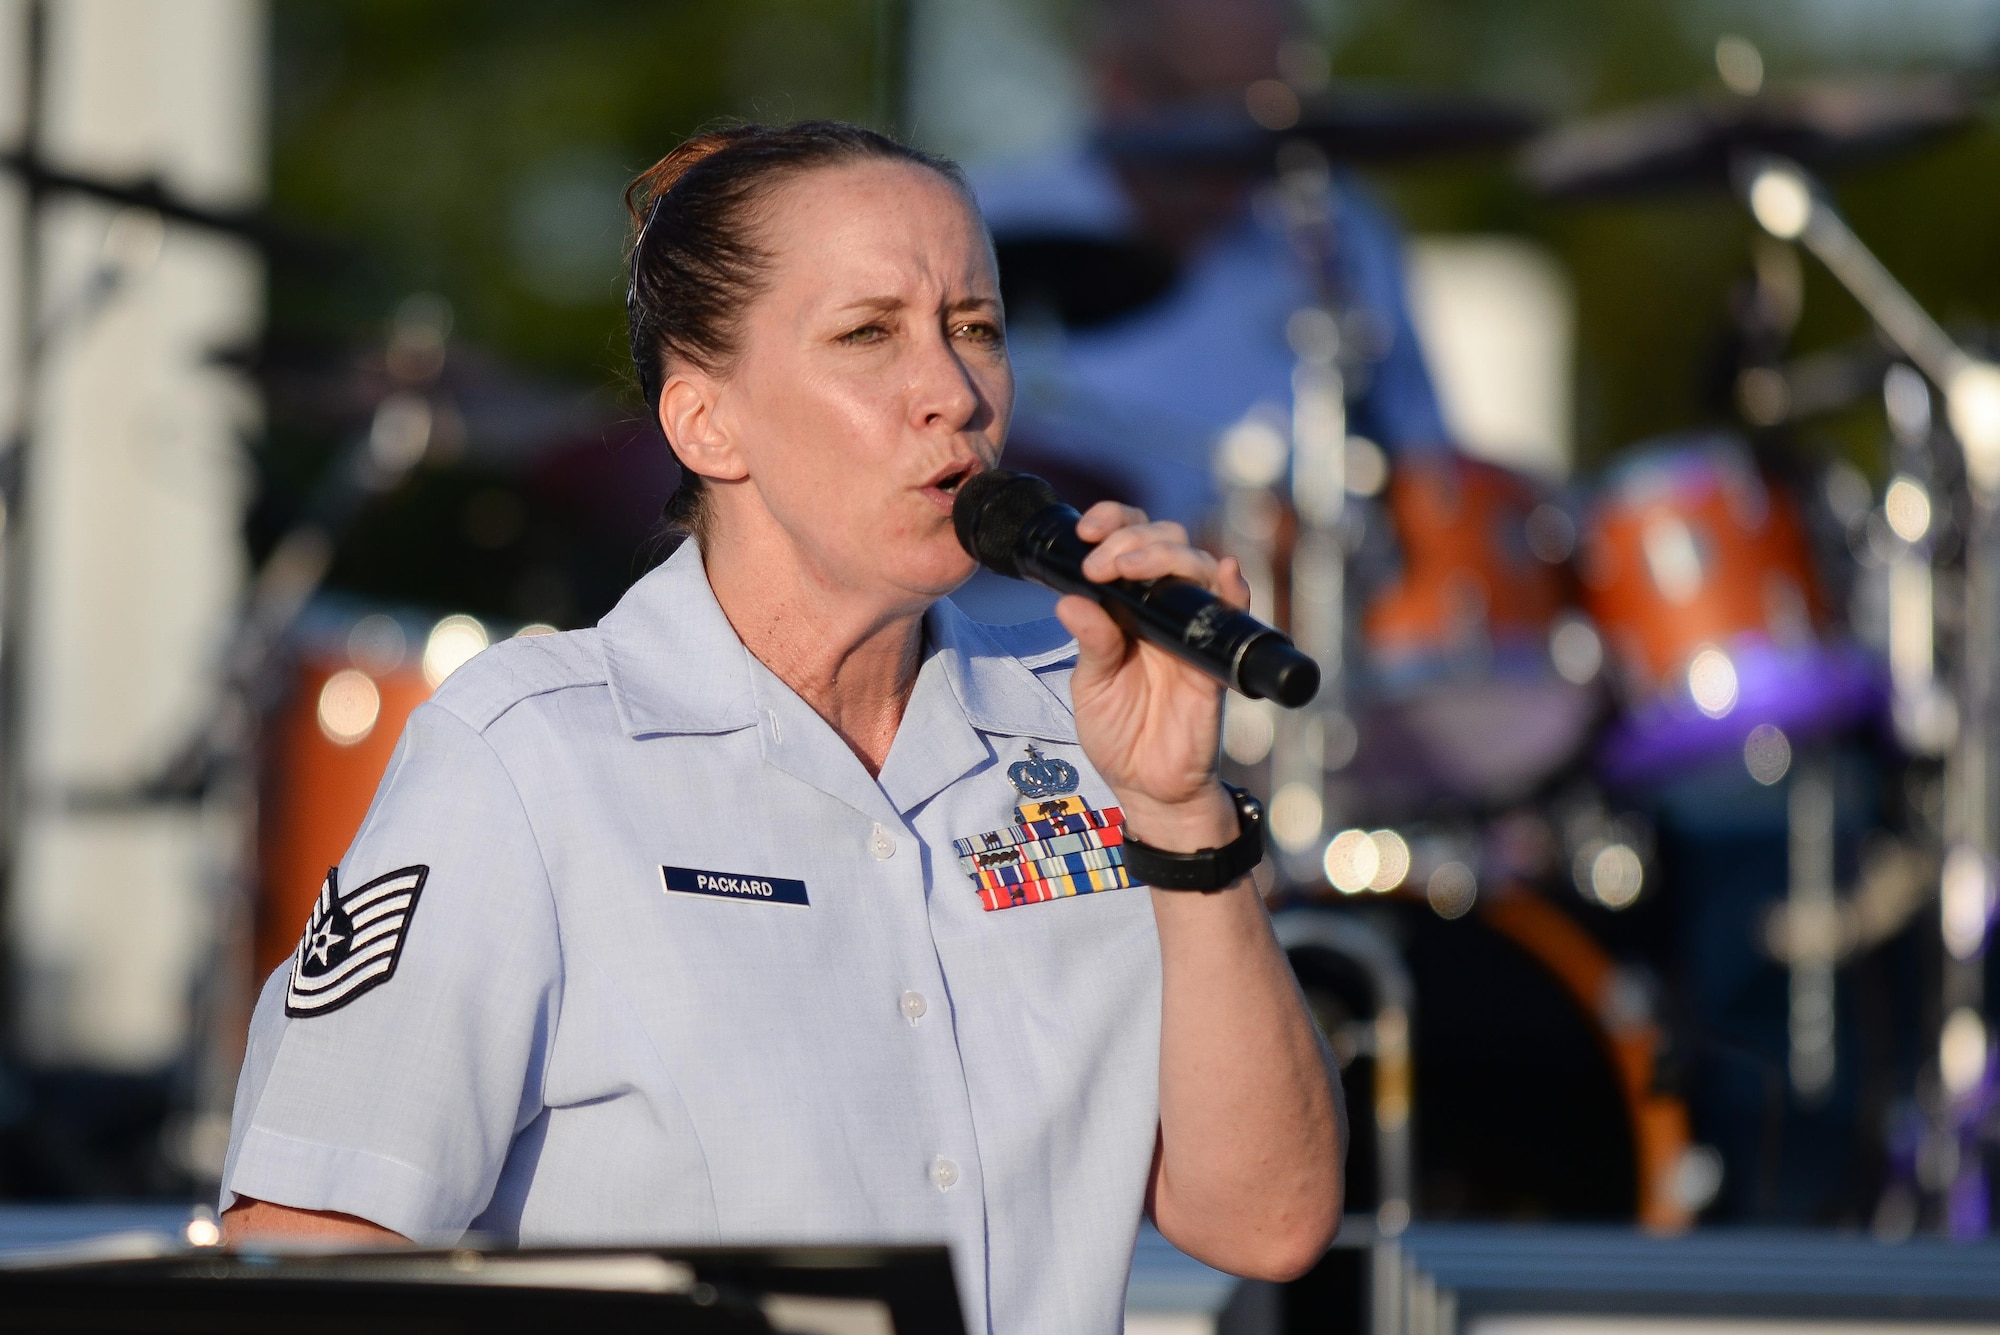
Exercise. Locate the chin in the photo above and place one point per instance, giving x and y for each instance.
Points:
(935, 574)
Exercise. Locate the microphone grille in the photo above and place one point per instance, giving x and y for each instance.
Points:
(991, 510)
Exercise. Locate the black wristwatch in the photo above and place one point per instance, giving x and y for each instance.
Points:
(1208, 869)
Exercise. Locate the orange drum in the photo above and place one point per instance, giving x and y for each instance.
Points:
(1472, 589)
(1698, 572)
(356, 676)
(1470, 697)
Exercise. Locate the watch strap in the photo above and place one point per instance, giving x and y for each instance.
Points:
(1208, 869)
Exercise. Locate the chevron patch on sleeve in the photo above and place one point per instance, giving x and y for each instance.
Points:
(353, 940)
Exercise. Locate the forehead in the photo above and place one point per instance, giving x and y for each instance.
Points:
(880, 225)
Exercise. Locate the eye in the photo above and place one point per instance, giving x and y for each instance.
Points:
(868, 333)
(985, 333)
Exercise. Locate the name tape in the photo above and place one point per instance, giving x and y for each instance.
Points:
(732, 885)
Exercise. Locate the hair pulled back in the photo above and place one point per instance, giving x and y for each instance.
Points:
(695, 264)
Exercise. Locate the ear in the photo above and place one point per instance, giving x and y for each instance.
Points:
(696, 431)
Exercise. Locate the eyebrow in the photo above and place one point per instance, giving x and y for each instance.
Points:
(897, 303)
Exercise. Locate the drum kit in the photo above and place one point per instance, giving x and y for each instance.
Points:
(1513, 670)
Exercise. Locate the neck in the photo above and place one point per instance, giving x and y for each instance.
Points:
(852, 659)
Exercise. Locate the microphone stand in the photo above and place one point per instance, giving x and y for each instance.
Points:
(1789, 204)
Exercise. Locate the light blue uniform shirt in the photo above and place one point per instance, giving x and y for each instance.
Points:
(563, 1051)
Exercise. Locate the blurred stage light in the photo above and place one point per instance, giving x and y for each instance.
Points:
(1740, 64)
(1367, 467)
(1782, 201)
(1767, 754)
(1352, 861)
(349, 704)
(1711, 681)
(1392, 861)
(534, 628)
(1452, 889)
(202, 1231)
(1962, 1051)
(1551, 533)
(1972, 402)
(1253, 454)
(400, 433)
(452, 642)
(1697, 1178)
(1965, 894)
(1296, 816)
(1907, 507)
(1576, 650)
(1272, 104)
(377, 644)
(1616, 876)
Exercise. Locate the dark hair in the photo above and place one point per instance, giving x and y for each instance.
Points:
(695, 264)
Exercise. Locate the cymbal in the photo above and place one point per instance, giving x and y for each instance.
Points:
(1349, 124)
(1689, 142)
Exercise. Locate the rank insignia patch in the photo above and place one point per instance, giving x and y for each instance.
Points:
(353, 940)
(1053, 850)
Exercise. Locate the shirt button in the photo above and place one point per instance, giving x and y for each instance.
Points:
(882, 844)
(914, 1006)
(944, 1173)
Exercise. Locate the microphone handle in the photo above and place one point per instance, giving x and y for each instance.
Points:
(1175, 614)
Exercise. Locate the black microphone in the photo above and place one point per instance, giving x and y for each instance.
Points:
(1015, 525)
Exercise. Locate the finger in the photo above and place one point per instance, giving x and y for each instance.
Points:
(1156, 559)
(1101, 645)
(1103, 519)
(1102, 563)
(1230, 584)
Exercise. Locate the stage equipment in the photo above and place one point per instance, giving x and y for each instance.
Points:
(1249, 131)
(808, 1290)
(1696, 141)
(1014, 525)
(1695, 567)
(1481, 679)
(1790, 205)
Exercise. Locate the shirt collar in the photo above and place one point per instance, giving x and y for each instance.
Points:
(997, 691)
(671, 657)
(675, 665)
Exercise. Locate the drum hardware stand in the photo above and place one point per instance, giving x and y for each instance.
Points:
(1791, 206)
(1324, 738)
(1386, 1040)
(1813, 915)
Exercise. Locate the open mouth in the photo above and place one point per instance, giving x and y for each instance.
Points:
(949, 482)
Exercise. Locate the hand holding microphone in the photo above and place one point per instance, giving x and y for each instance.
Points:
(1015, 525)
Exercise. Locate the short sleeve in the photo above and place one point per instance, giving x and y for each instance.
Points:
(393, 1091)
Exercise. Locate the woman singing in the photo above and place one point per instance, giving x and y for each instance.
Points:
(788, 904)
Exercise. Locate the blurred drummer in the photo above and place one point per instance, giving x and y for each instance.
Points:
(1140, 399)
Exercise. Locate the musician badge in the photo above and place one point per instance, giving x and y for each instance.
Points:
(1055, 848)
(1039, 776)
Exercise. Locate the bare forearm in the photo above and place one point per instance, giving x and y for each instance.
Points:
(1249, 1171)
(260, 1221)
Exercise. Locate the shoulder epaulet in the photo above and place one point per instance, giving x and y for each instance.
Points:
(498, 678)
(1037, 644)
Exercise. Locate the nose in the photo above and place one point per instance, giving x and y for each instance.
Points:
(944, 393)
